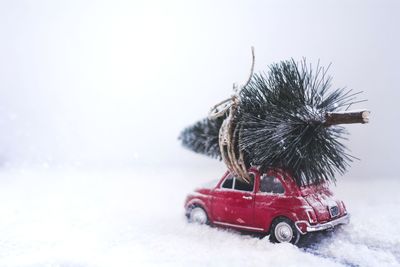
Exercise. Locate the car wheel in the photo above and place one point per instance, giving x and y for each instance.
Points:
(283, 230)
(197, 215)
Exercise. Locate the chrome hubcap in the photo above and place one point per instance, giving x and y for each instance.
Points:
(198, 215)
(283, 232)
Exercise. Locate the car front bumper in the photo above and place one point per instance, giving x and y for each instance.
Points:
(305, 227)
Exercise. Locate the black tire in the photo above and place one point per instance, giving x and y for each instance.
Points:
(283, 230)
(196, 214)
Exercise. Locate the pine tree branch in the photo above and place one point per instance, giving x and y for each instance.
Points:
(346, 117)
(281, 119)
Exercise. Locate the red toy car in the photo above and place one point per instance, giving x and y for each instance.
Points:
(273, 203)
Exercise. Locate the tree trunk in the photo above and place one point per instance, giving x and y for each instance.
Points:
(346, 117)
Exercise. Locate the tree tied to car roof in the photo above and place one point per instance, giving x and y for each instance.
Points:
(288, 118)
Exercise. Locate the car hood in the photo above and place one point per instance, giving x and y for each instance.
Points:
(206, 188)
(210, 184)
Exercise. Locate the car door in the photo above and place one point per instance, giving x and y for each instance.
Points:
(219, 199)
(233, 202)
(268, 199)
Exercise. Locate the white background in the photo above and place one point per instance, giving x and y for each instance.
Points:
(114, 82)
(93, 95)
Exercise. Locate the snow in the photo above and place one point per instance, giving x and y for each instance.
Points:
(136, 218)
(351, 111)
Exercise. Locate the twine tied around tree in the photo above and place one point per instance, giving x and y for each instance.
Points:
(229, 132)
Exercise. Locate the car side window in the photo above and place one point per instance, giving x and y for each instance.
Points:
(271, 184)
(243, 186)
(228, 183)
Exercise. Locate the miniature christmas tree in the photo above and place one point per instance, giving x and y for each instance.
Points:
(286, 118)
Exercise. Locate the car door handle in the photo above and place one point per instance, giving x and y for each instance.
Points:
(247, 197)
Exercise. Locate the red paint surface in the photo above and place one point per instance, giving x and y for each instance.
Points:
(256, 210)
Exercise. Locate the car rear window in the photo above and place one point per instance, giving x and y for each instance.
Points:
(271, 184)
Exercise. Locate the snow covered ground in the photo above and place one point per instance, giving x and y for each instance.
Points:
(135, 218)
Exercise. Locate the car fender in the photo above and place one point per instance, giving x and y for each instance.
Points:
(200, 203)
(281, 213)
